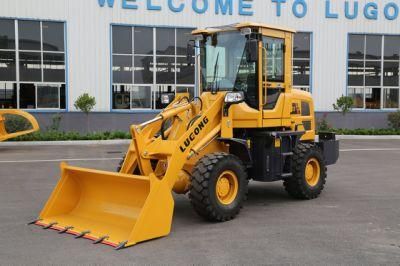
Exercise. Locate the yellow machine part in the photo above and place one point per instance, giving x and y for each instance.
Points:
(123, 209)
(116, 209)
(4, 135)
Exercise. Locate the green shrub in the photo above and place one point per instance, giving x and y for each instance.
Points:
(69, 136)
(343, 104)
(85, 103)
(55, 123)
(394, 120)
(322, 124)
(15, 123)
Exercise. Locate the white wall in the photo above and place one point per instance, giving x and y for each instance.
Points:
(88, 34)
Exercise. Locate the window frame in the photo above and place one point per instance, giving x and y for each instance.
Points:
(365, 60)
(154, 84)
(308, 88)
(17, 51)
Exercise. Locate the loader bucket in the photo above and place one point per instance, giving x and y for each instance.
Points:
(116, 209)
(13, 117)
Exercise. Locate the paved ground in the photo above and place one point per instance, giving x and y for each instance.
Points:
(355, 221)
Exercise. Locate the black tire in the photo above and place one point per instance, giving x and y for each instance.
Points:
(297, 185)
(120, 164)
(204, 178)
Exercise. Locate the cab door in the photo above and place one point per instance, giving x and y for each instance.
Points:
(274, 77)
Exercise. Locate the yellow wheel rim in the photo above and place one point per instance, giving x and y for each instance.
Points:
(312, 172)
(227, 187)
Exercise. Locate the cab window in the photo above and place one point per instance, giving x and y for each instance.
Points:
(274, 50)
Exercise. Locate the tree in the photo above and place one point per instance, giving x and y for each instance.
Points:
(85, 103)
(343, 104)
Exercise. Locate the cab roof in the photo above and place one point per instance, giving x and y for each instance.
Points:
(240, 25)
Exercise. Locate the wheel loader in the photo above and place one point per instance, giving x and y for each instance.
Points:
(248, 123)
(27, 118)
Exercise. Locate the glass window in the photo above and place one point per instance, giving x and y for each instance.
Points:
(184, 71)
(391, 74)
(29, 35)
(7, 66)
(122, 40)
(374, 47)
(7, 34)
(356, 46)
(121, 96)
(165, 41)
(143, 40)
(378, 72)
(8, 95)
(53, 67)
(41, 59)
(392, 47)
(358, 97)
(63, 102)
(356, 73)
(390, 98)
(372, 73)
(122, 69)
(373, 98)
(48, 96)
(301, 72)
(143, 68)
(302, 61)
(183, 36)
(165, 70)
(141, 97)
(275, 58)
(30, 66)
(140, 85)
(27, 96)
(302, 45)
(305, 109)
(53, 36)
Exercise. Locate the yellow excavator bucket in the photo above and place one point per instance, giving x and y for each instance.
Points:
(116, 209)
(7, 114)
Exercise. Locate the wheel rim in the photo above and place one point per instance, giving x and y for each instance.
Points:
(227, 187)
(312, 172)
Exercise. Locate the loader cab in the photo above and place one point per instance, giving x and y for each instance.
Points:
(229, 62)
(247, 57)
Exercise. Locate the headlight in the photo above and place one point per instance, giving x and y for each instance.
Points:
(165, 99)
(234, 97)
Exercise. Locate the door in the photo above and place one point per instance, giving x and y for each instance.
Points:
(273, 78)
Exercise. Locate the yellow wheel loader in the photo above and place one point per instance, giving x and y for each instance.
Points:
(6, 114)
(247, 124)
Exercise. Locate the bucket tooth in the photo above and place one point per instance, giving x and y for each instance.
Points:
(34, 221)
(82, 234)
(101, 239)
(66, 229)
(121, 245)
(49, 225)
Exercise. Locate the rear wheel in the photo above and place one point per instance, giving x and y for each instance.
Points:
(218, 187)
(309, 172)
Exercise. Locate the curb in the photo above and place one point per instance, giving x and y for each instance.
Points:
(367, 137)
(65, 143)
(128, 141)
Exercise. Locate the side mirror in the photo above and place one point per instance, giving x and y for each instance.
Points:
(252, 50)
(190, 52)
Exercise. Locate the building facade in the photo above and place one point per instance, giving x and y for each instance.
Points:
(127, 52)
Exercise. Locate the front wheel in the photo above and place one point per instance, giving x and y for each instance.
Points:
(309, 172)
(218, 187)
